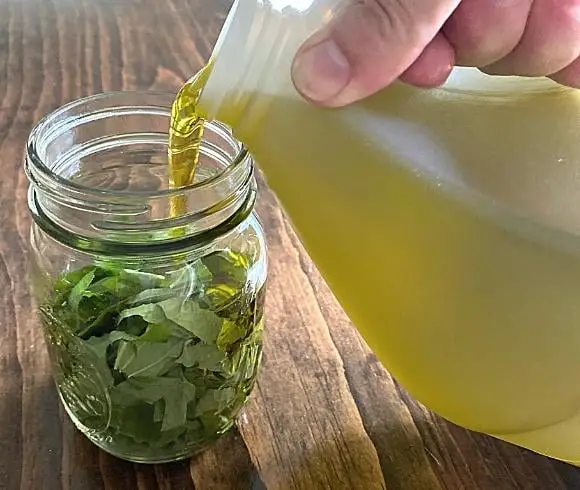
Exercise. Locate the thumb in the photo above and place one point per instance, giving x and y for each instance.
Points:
(368, 45)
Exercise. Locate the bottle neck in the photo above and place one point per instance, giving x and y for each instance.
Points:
(252, 58)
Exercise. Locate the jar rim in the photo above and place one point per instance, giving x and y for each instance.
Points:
(126, 220)
(47, 121)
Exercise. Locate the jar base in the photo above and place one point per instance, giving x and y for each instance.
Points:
(148, 461)
(174, 458)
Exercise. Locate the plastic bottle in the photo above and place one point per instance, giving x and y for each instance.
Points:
(445, 221)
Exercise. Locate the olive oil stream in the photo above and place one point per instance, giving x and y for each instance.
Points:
(185, 136)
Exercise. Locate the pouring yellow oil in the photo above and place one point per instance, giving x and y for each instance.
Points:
(185, 136)
(437, 219)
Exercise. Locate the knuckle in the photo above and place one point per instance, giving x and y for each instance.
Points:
(390, 21)
(398, 18)
(368, 25)
(477, 48)
(483, 31)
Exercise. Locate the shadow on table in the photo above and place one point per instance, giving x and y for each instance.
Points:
(41, 449)
(346, 466)
(462, 459)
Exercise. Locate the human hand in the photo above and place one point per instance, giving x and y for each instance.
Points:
(371, 43)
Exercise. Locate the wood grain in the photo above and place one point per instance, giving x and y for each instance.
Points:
(325, 413)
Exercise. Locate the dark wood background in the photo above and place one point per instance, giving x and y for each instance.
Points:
(325, 414)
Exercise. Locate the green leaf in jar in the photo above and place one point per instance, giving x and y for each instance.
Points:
(147, 359)
(214, 401)
(175, 394)
(190, 279)
(230, 333)
(99, 345)
(80, 290)
(162, 332)
(152, 296)
(202, 323)
(201, 355)
(145, 279)
(151, 313)
(114, 286)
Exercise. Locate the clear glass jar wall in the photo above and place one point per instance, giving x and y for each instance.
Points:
(153, 323)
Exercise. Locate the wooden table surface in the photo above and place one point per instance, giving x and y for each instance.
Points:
(325, 414)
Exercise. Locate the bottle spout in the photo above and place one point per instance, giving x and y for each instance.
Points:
(255, 49)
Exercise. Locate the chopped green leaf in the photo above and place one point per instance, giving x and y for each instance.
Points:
(176, 395)
(116, 286)
(175, 413)
(190, 279)
(214, 401)
(201, 355)
(159, 409)
(158, 332)
(151, 313)
(229, 334)
(152, 295)
(145, 279)
(79, 290)
(147, 359)
(99, 345)
(125, 355)
(204, 324)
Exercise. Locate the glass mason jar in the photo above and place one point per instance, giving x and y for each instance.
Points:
(153, 323)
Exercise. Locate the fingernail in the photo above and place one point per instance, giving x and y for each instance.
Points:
(321, 72)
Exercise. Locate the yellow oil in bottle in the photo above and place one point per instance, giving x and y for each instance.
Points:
(422, 209)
